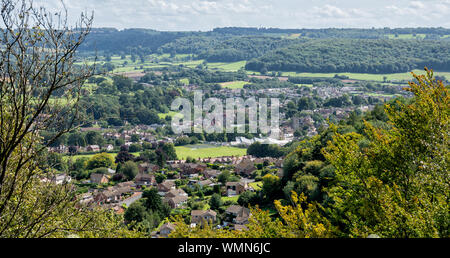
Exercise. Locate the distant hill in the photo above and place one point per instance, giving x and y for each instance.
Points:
(301, 50)
(356, 55)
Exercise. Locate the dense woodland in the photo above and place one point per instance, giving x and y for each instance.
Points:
(334, 32)
(358, 56)
(225, 49)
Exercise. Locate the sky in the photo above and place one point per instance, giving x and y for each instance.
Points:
(204, 15)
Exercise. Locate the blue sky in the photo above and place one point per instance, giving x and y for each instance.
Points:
(204, 15)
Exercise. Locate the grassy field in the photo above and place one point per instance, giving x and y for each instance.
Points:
(190, 64)
(185, 81)
(229, 67)
(205, 151)
(382, 95)
(161, 61)
(292, 36)
(163, 115)
(407, 36)
(193, 151)
(234, 84)
(304, 85)
(366, 76)
(75, 157)
(151, 61)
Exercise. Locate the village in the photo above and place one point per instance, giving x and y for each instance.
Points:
(188, 184)
(179, 191)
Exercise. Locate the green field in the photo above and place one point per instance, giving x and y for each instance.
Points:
(382, 95)
(75, 157)
(190, 64)
(161, 61)
(229, 67)
(193, 151)
(293, 36)
(185, 81)
(163, 115)
(234, 85)
(407, 36)
(206, 151)
(367, 76)
(304, 85)
(151, 61)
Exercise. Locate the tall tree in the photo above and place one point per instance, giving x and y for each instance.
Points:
(397, 186)
(36, 65)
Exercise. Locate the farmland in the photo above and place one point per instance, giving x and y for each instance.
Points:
(156, 61)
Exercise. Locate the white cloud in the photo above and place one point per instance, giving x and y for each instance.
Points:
(421, 13)
(207, 14)
(330, 11)
(417, 4)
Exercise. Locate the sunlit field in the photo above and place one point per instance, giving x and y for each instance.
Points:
(206, 151)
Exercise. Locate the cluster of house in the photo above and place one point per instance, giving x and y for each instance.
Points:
(173, 196)
(242, 141)
(114, 194)
(198, 174)
(242, 164)
(142, 131)
(324, 91)
(57, 179)
(88, 148)
(126, 134)
(236, 218)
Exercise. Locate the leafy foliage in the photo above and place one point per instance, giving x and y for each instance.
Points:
(397, 186)
(100, 160)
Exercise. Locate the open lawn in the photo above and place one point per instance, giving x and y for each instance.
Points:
(256, 185)
(234, 84)
(194, 151)
(205, 151)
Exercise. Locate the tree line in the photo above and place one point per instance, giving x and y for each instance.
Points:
(358, 56)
